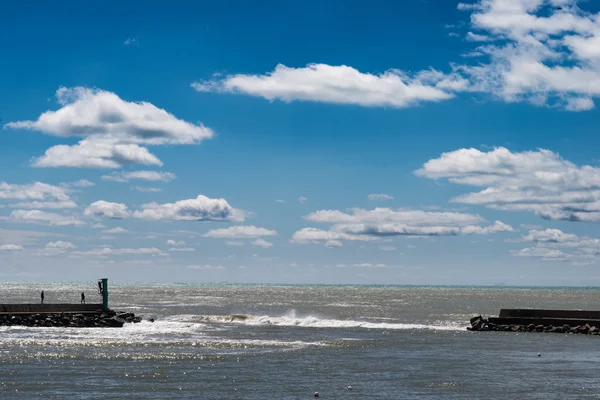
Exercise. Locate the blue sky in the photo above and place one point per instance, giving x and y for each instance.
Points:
(424, 142)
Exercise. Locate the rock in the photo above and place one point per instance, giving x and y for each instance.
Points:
(113, 322)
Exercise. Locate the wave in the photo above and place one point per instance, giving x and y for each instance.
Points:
(142, 334)
(290, 319)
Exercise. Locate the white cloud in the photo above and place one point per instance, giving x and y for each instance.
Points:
(473, 37)
(96, 153)
(302, 199)
(106, 209)
(541, 252)
(11, 247)
(365, 225)
(45, 218)
(378, 215)
(60, 245)
(81, 183)
(280, 201)
(331, 84)
(112, 129)
(201, 208)
(523, 50)
(56, 248)
(116, 230)
(142, 175)
(536, 53)
(205, 267)
(314, 235)
(147, 189)
(369, 265)
(262, 243)
(172, 242)
(41, 194)
(536, 181)
(240, 232)
(45, 204)
(132, 41)
(380, 196)
(108, 251)
(333, 243)
(182, 249)
(555, 245)
(550, 236)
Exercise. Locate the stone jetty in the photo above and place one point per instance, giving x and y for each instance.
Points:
(107, 319)
(534, 320)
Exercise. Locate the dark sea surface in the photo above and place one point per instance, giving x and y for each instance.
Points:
(387, 342)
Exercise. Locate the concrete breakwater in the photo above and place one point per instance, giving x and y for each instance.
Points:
(108, 319)
(533, 320)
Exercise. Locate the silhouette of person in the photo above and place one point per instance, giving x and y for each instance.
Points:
(82, 298)
(42, 296)
(100, 287)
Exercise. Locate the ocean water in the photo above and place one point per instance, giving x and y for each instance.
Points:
(387, 342)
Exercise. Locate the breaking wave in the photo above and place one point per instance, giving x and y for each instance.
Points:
(290, 319)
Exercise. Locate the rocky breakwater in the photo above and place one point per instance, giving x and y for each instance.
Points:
(481, 324)
(109, 319)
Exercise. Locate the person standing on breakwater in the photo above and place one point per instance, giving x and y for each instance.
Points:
(42, 296)
(82, 298)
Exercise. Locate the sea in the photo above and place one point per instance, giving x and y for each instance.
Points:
(292, 341)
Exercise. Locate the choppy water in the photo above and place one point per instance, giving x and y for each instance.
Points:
(388, 342)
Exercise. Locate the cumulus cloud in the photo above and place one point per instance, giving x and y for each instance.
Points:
(240, 232)
(302, 199)
(36, 195)
(106, 209)
(132, 41)
(365, 225)
(380, 196)
(331, 84)
(44, 218)
(521, 50)
(115, 230)
(537, 181)
(113, 130)
(56, 248)
(59, 244)
(81, 183)
(205, 267)
(369, 265)
(172, 242)
(201, 208)
(45, 204)
(147, 189)
(142, 175)
(96, 153)
(108, 251)
(10, 247)
(555, 245)
(261, 243)
(182, 249)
